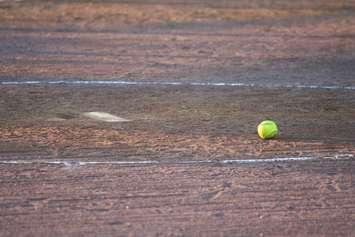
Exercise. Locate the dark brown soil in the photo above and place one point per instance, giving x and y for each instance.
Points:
(177, 122)
(303, 199)
(275, 46)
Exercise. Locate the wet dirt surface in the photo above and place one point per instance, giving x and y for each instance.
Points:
(252, 44)
(176, 122)
(303, 199)
(266, 45)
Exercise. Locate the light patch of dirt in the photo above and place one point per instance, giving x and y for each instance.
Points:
(164, 143)
(106, 15)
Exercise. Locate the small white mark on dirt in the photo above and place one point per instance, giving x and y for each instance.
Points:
(105, 117)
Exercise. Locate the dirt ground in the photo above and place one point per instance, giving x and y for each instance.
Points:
(294, 61)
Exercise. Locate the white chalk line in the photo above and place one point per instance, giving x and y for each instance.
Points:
(166, 83)
(182, 162)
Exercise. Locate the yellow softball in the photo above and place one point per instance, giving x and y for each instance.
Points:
(267, 129)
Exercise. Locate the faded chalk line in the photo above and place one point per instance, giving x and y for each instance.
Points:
(182, 162)
(167, 83)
